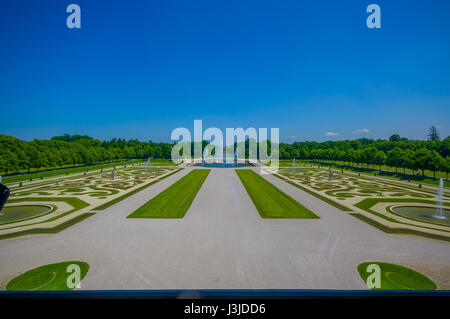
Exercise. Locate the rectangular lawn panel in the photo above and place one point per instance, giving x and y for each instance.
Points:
(269, 200)
(174, 201)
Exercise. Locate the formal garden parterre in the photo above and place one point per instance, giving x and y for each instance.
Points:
(69, 200)
(370, 200)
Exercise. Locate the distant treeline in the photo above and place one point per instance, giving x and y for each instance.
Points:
(69, 150)
(433, 155)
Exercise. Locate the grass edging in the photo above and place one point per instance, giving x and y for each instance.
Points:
(389, 230)
(391, 211)
(76, 203)
(52, 209)
(367, 203)
(52, 230)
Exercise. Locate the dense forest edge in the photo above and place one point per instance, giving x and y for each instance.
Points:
(416, 156)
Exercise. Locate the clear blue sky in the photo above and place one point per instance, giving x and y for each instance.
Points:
(138, 69)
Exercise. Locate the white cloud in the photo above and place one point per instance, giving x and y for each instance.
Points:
(331, 134)
(363, 130)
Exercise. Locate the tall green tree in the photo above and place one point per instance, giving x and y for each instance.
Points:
(446, 167)
(422, 158)
(436, 162)
(433, 134)
(380, 158)
(394, 138)
(394, 158)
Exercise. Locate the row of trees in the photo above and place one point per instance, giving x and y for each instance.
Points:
(67, 150)
(433, 155)
(421, 159)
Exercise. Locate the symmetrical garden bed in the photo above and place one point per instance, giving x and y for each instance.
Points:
(73, 199)
(363, 196)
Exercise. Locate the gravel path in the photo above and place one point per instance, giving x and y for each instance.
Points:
(223, 243)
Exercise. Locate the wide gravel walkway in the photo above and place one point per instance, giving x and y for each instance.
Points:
(223, 243)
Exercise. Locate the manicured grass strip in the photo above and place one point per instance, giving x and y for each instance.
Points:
(137, 190)
(48, 277)
(269, 200)
(389, 230)
(396, 277)
(174, 201)
(321, 197)
(52, 230)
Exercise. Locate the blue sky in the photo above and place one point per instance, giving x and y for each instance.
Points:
(139, 69)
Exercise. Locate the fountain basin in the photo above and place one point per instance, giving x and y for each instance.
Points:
(424, 213)
(223, 165)
(11, 214)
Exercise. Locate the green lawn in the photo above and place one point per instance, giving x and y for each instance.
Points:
(174, 201)
(48, 277)
(64, 171)
(161, 162)
(397, 277)
(289, 162)
(269, 200)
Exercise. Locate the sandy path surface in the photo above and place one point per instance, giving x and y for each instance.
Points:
(223, 243)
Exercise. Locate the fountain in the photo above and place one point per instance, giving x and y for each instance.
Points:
(12, 214)
(423, 213)
(293, 169)
(439, 214)
(211, 162)
(148, 161)
(440, 193)
(435, 214)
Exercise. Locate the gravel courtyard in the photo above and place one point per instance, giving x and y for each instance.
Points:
(222, 242)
